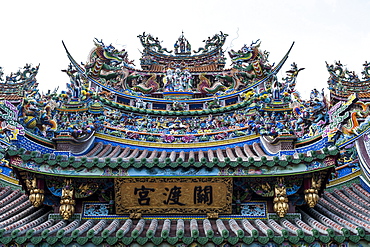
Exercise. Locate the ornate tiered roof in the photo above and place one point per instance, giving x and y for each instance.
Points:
(18, 85)
(343, 82)
(155, 58)
(184, 150)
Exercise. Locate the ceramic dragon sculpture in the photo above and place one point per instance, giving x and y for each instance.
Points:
(36, 116)
(205, 86)
(251, 61)
(149, 86)
(366, 71)
(151, 43)
(217, 41)
(105, 61)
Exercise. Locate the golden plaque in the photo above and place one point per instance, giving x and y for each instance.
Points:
(173, 195)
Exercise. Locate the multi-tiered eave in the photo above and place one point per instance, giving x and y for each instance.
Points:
(18, 85)
(343, 83)
(106, 154)
(128, 155)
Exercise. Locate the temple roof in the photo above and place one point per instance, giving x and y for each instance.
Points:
(340, 215)
(182, 115)
(156, 58)
(19, 84)
(246, 156)
(343, 82)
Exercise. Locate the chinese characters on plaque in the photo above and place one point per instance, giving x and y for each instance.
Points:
(173, 195)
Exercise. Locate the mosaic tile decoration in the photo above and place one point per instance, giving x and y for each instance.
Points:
(30, 145)
(249, 210)
(254, 209)
(95, 209)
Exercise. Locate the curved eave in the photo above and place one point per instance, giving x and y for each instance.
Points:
(74, 63)
(4, 142)
(344, 179)
(353, 138)
(343, 96)
(208, 164)
(10, 180)
(177, 145)
(363, 154)
(164, 176)
(303, 142)
(39, 140)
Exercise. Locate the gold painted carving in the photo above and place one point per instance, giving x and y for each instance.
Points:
(36, 196)
(212, 215)
(281, 205)
(312, 195)
(173, 195)
(135, 216)
(67, 203)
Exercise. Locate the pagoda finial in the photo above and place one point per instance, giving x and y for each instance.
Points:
(182, 45)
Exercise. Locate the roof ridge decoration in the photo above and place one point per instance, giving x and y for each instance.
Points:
(20, 84)
(276, 96)
(343, 82)
(151, 43)
(109, 67)
(216, 42)
(10, 128)
(182, 46)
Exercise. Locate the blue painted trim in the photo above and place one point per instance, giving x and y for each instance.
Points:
(106, 142)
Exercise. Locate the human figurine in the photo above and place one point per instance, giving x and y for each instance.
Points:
(169, 80)
(275, 89)
(176, 46)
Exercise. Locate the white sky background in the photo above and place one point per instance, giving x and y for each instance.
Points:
(329, 30)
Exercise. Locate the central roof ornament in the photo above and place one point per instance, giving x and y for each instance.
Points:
(182, 46)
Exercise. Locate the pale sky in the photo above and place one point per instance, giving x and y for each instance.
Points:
(329, 30)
